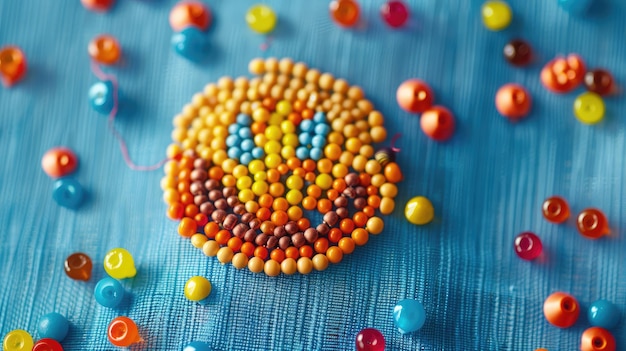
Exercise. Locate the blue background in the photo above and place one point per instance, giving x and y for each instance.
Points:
(487, 184)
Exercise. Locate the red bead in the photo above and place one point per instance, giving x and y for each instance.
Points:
(370, 339)
(98, 5)
(597, 339)
(592, 223)
(555, 209)
(190, 13)
(47, 345)
(78, 266)
(438, 123)
(345, 12)
(414, 96)
(395, 13)
(527, 246)
(59, 162)
(599, 81)
(518, 52)
(513, 101)
(563, 74)
(12, 65)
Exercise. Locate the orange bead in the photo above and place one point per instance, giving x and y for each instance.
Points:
(216, 173)
(187, 227)
(309, 177)
(309, 165)
(393, 174)
(211, 229)
(98, 5)
(279, 218)
(359, 219)
(282, 169)
(561, 310)
(365, 179)
(190, 13)
(374, 201)
(563, 74)
(293, 163)
(321, 245)
(597, 339)
(186, 198)
(191, 210)
(277, 255)
(201, 219)
(222, 237)
(345, 12)
(280, 204)
(183, 186)
(300, 172)
(334, 254)
(513, 101)
(414, 96)
(263, 214)
(339, 185)
(298, 106)
(292, 252)
(123, 332)
(266, 200)
(438, 123)
(12, 65)
(59, 162)
(372, 190)
(248, 249)
(346, 225)
(267, 227)
(104, 49)
(346, 245)
(360, 236)
(314, 191)
(309, 203)
(369, 211)
(306, 251)
(334, 235)
(260, 252)
(307, 114)
(324, 205)
(235, 244)
(295, 117)
(295, 213)
(184, 174)
(304, 224)
(332, 194)
(273, 175)
(269, 103)
(324, 165)
(176, 211)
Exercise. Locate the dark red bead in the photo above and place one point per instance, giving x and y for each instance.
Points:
(518, 52)
(395, 13)
(370, 339)
(599, 81)
(527, 246)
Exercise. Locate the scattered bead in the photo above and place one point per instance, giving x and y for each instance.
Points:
(109, 292)
(345, 12)
(597, 339)
(395, 13)
(101, 97)
(604, 314)
(123, 332)
(561, 310)
(105, 49)
(497, 15)
(409, 316)
(261, 19)
(119, 264)
(53, 326)
(563, 74)
(518, 52)
(12, 65)
(528, 246)
(438, 123)
(59, 162)
(419, 210)
(600, 82)
(370, 339)
(592, 224)
(589, 108)
(47, 345)
(191, 43)
(17, 340)
(197, 346)
(78, 266)
(198, 289)
(414, 96)
(555, 209)
(576, 7)
(68, 193)
(187, 14)
(513, 101)
(98, 5)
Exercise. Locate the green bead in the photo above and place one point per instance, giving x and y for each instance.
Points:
(496, 15)
(261, 19)
(589, 108)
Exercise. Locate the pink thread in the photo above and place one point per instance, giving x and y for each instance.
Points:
(129, 162)
(393, 142)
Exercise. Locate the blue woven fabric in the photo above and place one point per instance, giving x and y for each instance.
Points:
(487, 184)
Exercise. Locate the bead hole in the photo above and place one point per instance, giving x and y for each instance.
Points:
(6, 58)
(76, 262)
(568, 305)
(119, 331)
(590, 222)
(599, 343)
(554, 209)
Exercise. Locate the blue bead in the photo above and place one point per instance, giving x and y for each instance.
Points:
(247, 145)
(233, 140)
(322, 129)
(53, 326)
(245, 158)
(244, 120)
(197, 346)
(258, 152)
(576, 7)
(101, 97)
(318, 141)
(191, 43)
(315, 153)
(109, 292)
(604, 314)
(302, 153)
(306, 125)
(409, 315)
(320, 117)
(234, 152)
(245, 133)
(304, 139)
(233, 128)
(68, 193)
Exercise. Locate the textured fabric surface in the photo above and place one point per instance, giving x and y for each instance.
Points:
(487, 184)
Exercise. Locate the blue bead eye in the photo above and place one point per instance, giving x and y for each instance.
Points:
(53, 326)
(109, 292)
(101, 97)
(68, 193)
(409, 315)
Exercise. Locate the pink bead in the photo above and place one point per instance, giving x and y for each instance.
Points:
(395, 13)
(527, 246)
(370, 339)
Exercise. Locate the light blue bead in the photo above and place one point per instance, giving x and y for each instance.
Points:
(576, 7)
(245, 158)
(54, 326)
(318, 141)
(68, 193)
(191, 44)
(245, 133)
(322, 129)
(233, 140)
(604, 314)
(304, 138)
(306, 125)
(197, 346)
(234, 152)
(244, 120)
(233, 128)
(101, 97)
(247, 145)
(409, 315)
(258, 152)
(315, 153)
(109, 292)
(302, 153)
(320, 117)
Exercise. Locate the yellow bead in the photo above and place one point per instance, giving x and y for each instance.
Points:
(294, 213)
(244, 183)
(260, 140)
(18, 340)
(246, 195)
(283, 107)
(240, 171)
(324, 181)
(240, 260)
(252, 206)
(170, 196)
(496, 15)
(272, 160)
(378, 180)
(210, 248)
(272, 147)
(359, 162)
(259, 188)
(276, 190)
(288, 266)
(294, 197)
(305, 265)
(261, 19)
(287, 152)
(387, 205)
(261, 176)
(276, 119)
(290, 140)
(197, 288)
(372, 167)
(256, 265)
(198, 240)
(273, 133)
(353, 145)
(271, 268)
(168, 182)
(225, 254)
(340, 170)
(419, 210)
(388, 190)
(375, 225)
(261, 115)
(589, 108)
(320, 262)
(294, 182)
(119, 264)
(287, 126)
(256, 166)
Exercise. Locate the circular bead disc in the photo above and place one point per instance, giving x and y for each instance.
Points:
(589, 108)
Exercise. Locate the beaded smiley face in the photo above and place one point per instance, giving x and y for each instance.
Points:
(278, 173)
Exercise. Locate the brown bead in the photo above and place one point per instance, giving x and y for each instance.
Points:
(207, 208)
(250, 235)
(229, 191)
(311, 235)
(272, 242)
(215, 195)
(221, 204)
(218, 216)
(342, 212)
(361, 191)
(267, 227)
(331, 218)
(200, 163)
(341, 201)
(255, 223)
(211, 184)
(360, 203)
(232, 201)
(284, 242)
(323, 228)
(240, 209)
(247, 217)
(280, 231)
(349, 192)
(518, 52)
(78, 266)
(200, 199)
(291, 227)
(199, 174)
(230, 221)
(352, 179)
(240, 230)
(261, 239)
(298, 240)
(599, 81)
(197, 188)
